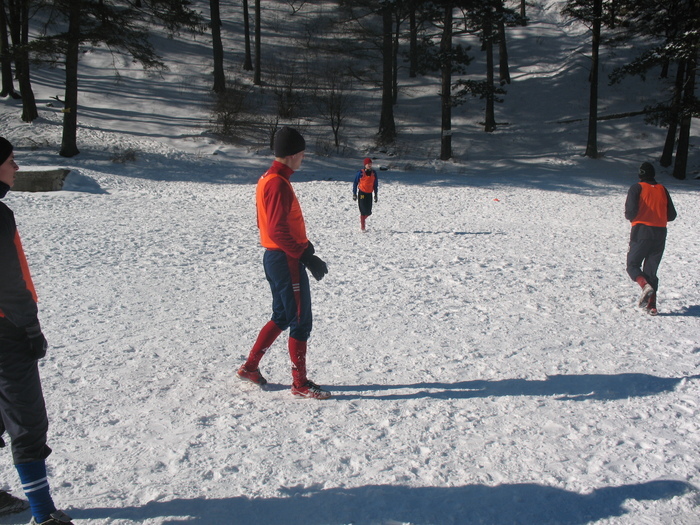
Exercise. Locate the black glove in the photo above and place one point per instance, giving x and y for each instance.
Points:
(354, 197)
(375, 197)
(315, 265)
(37, 341)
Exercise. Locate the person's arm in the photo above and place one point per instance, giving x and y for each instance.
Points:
(357, 181)
(671, 213)
(16, 300)
(632, 202)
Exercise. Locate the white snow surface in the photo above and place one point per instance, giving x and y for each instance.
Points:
(482, 342)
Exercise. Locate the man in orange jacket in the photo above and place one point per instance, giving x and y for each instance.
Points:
(288, 254)
(649, 208)
(22, 344)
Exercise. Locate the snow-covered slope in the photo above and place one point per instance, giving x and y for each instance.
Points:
(487, 359)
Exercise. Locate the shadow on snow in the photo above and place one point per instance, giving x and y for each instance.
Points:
(565, 387)
(524, 503)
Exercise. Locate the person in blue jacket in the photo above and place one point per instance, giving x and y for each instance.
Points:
(22, 344)
(365, 184)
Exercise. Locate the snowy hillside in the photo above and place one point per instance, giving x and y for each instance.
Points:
(488, 362)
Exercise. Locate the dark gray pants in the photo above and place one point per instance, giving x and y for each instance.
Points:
(22, 407)
(647, 245)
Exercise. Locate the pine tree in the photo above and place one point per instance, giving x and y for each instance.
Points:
(591, 13)
(120, 25)
(673, 28)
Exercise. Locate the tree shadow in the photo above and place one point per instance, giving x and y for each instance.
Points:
(524, 503)
(598, 387)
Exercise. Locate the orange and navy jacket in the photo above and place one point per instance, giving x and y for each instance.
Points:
(366, 182)
(280, 220)
(17, 294)
(650, 204)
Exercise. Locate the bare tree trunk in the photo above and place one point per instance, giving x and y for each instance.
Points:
(413, 46)
(446, 86)
(667, 155)
(257, 80)
(490, 117)
(387, 126)
(247, 61)
(612, 13)
(395, 62)
(503, 69)
(217, 47)
(592, 144)
(681, 164)
(522, 13)
(69, 146)
(29, 109)
(8, 84)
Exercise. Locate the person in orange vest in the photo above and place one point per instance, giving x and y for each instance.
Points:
(22, 344)
(288, 254)
(649, 208)
(365, 183)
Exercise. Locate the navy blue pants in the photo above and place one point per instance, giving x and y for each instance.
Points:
(22, 407)
(291, 294)
(364, 202)
(647, 245)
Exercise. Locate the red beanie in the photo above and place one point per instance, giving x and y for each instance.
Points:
(367, 161)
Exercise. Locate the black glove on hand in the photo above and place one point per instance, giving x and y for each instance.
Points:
(354, 197)
(375, 197)
(315, 265)
(37, 341)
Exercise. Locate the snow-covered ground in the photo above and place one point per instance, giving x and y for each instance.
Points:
(488, 362)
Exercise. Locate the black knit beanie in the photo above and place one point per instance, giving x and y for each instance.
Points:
(5, 149)
(288, 141)
(646, 171)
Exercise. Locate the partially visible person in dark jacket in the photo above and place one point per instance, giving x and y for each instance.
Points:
(22, 344)
(649, 208)
(362, 188)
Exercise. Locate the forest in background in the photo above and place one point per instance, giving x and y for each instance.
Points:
(299, 61)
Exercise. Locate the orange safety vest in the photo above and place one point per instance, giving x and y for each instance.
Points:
(366, 184)
(653, 206)
(295, 219)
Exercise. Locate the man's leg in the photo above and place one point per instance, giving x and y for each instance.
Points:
(652, 261)
(266, 337)
(24, 416)
(301, 325)
(635, 256)
(276, 276)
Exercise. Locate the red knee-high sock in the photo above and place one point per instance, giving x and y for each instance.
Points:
(641, 281)
(297, 353)
(266, 337)
(363, 218)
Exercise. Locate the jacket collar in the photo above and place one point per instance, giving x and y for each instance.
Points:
(281, 169)
(4, 188)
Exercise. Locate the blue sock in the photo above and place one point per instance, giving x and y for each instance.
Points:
(36, 487)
